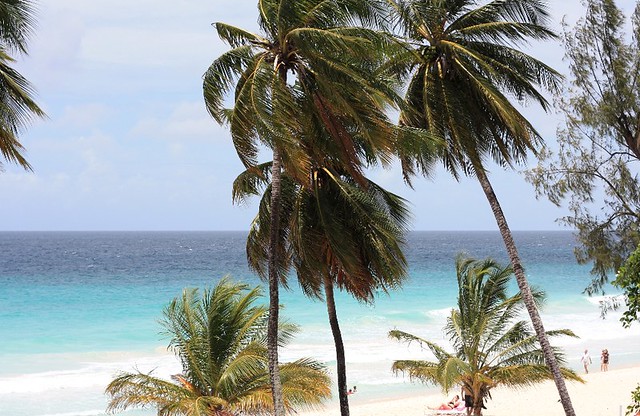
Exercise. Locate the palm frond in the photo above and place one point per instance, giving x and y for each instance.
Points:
(440, 353)
(305, 384)
(129, 390)
(236, 36)
(424, 371)
(529, 11)
(17, 110)
(221, 75)
(250, 182)
(17, 22)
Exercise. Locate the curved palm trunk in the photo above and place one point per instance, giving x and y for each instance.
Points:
(274, 301)
(337, 339)
(523, 285)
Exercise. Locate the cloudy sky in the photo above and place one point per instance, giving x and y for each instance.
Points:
(128, 144)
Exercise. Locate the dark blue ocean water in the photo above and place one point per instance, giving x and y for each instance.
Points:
(75, 307)
(87, 291)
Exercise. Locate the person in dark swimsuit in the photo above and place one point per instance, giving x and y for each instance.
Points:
(468, 400)
(604, 360)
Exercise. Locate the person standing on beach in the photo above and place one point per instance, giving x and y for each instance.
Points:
(468, 400)
(604, 360)
(586, 360)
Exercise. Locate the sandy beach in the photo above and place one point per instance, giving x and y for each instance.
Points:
(603, 394)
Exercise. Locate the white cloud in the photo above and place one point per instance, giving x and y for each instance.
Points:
(187, 121)
(84, 116)
(145, 48)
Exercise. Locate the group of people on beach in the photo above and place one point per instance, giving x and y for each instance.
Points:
(604, 360)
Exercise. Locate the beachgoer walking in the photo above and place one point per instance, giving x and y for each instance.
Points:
(586, 361)
(604, 360)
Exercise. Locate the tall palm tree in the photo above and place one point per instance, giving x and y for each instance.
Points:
(313, 58)
(17, 106)
(462, 63)
(220, 338)
(348, 236)
(339, 233)
(491, 347)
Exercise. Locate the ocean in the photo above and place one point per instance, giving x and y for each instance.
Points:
(78, 307)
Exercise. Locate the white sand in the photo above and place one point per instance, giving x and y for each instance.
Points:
(603, 394)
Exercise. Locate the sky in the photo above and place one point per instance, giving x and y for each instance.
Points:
(128, 144)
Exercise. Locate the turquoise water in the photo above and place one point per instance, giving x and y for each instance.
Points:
(75, 308)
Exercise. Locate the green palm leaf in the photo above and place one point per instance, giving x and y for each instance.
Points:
(17, 22)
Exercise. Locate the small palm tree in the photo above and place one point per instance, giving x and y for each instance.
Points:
(337, 234)
(220, 338)
(17, 107)
(491, 347)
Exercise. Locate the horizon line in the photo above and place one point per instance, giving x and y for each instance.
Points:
(244, 231)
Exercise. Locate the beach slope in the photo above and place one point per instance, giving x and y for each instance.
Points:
(603, 394)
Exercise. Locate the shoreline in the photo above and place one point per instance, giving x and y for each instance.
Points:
(602, 394)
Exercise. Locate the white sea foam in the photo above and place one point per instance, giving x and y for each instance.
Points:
(94, 412)
(598, 300)
(87, 375)
(439, 313)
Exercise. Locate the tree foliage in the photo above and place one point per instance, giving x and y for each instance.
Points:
(220, 339)
(594, 171)
(634, 407)
(628, 280)
(17, 106)
(463, 66)
(491, 347)
(304, 85)
(336, 232)
(333, 225)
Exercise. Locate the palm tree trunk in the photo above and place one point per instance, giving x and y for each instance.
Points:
(274, 282)
(523, 285)
(337, 339)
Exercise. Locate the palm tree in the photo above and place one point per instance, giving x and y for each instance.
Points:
(312, 60)
(339, 233)
(462, 63)
(348, 236)
(490, 347)
(17, 107)
(220, 338)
